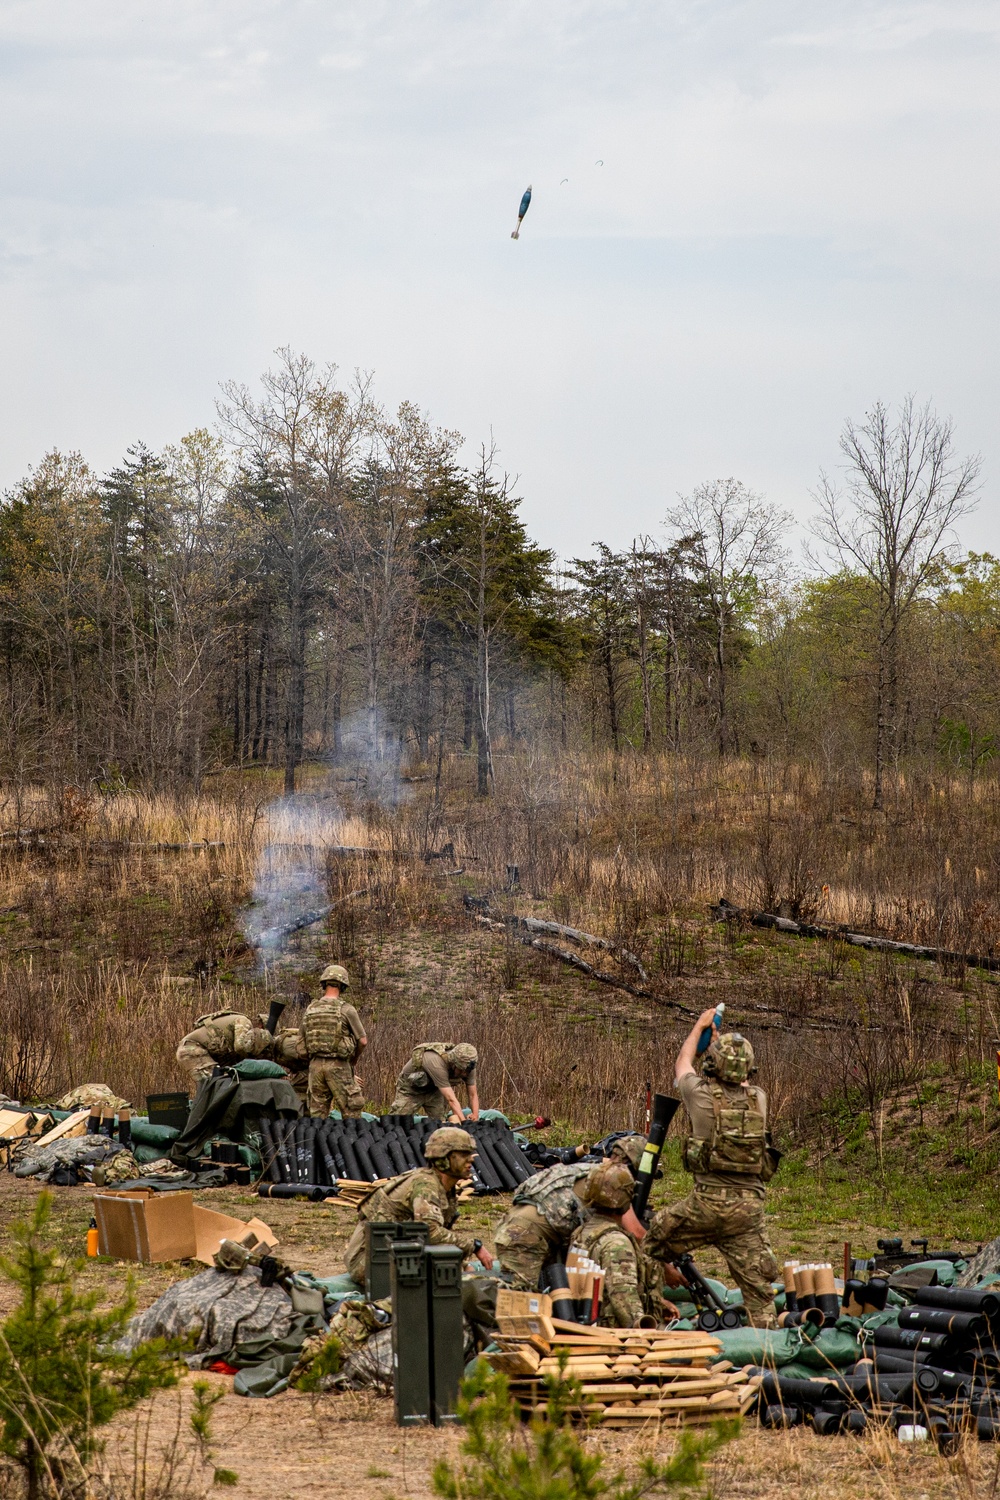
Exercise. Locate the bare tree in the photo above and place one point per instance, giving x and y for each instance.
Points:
(732, 539)
(904, 491)
(273, 436)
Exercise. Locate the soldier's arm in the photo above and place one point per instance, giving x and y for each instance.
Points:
(474, 1098)
(426, 1211)
(621, 1284)
(689, 1051)
(451, 1099)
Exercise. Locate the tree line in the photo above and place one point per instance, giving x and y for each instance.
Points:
(322, 579)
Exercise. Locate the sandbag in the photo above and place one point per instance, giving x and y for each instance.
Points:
(259, 1067)
(145, 1134)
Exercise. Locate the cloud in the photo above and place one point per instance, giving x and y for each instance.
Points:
(792, 218)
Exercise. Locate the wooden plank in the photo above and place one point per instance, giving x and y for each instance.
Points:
(72, 1126)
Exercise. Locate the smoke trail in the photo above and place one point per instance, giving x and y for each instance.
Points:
(290, 880)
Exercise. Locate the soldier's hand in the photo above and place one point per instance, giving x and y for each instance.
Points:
(672, 1276)
(707, 1017)
(455, 1119)
(669, 1310)
(484, 1257)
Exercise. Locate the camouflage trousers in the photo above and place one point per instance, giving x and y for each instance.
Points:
(332, 1085)
(524, 1243)
(731, 1219)
(354, 1255)
(196, 1060)
(434, 1106)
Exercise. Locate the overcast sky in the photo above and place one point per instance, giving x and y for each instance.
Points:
(776, 212)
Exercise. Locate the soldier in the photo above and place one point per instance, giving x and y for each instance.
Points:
(426, 1086)
(290, 1052)
(334, 1038)
(545, 1213)
(423, 1196)
(728, 1150)
(630, 1281)
(221, 1039)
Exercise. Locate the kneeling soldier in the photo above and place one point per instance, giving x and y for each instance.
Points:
(426, 1086)
(427, 1195)
(219, 1040)
(333, 1037)
(630, 1281)
(545, 1213)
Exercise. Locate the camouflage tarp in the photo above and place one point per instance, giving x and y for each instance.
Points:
(217, 1312)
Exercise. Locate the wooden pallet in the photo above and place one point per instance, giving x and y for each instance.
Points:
(626, 1377)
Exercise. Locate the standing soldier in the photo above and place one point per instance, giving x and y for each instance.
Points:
(630, 1282)
(220, 1039)
(334, 1037)
(546, 1212)
(426, 1086)
(426, 1195)
(728, 1150)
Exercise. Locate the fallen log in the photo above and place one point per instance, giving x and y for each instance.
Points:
(724, 911)
(272, 935)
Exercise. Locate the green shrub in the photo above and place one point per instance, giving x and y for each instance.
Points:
(545, 1458)
(60, 1377)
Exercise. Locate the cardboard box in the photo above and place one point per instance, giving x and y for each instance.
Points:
(147, 1226)
(511, 1304)
(17, 1122)
(210, 1227)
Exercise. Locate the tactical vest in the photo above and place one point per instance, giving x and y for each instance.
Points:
(417, 1079)
(551, 1194)
(738, 1143)
(231, 1027)
(325, 1031)
(594, 1228)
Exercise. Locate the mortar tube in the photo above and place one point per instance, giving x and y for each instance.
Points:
(380, 1158)
(513, 1156)
(94, 1120)
(557, 1277)
(939, 1320)
(395, 1153)
(352, 1165)
(288, 1150)
(804, 1285)
(269, 1159)
(825, 1291)
(788, 1277)
(960, 1299)
(125, 1126)
(510, 1179)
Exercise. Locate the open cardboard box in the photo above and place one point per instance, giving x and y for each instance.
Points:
(140, 1224)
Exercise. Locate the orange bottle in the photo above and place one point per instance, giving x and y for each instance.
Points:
(92, 1238)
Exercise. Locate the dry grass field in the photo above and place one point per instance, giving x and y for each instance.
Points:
(123, 917)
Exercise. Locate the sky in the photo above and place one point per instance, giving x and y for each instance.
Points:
(750, 220)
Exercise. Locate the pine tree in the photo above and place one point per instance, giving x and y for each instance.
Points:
(60, 1376)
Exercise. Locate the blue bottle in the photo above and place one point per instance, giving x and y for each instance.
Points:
(705, 1040)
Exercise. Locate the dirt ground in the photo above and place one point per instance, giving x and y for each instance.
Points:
(347, 1445)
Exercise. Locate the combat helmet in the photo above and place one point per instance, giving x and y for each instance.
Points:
(441, 1143)
(610, 1186)
(464, 1056)
(631, 1148)
(730, 1058)
(335, 974)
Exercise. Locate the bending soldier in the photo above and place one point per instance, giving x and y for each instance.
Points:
(426, 1086)
(221, 1039)
(630, 1281)
(545, 1214)
(728, 1150)
(334, 1037)
(426, 1195)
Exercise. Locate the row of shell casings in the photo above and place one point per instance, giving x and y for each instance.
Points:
(811, 1294)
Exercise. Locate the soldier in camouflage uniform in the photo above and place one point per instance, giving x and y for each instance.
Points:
(221, 1039)
(631, 1289)
(334, 1037)
(426, 1086)
(426, 1195)
(545, 1213)
(728, 1150)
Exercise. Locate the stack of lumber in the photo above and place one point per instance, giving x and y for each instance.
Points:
(352, 1192)
(627, 1376)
